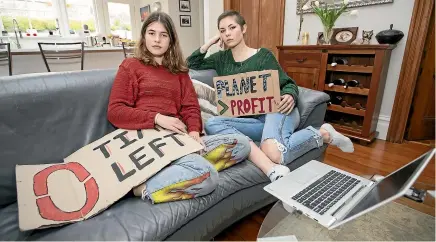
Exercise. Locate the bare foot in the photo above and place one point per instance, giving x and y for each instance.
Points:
(138, 191)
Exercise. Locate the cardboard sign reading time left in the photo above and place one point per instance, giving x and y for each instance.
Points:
(95, 176)
(249, 93)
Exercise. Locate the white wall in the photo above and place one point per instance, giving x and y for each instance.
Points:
(212, 10)
(190, 37)
(375, 17)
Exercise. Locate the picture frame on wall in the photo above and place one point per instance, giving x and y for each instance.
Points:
(184, 6)
(144, 11)
(351, 4)
(185, 20)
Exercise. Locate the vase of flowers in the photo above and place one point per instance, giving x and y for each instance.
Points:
(328, 14)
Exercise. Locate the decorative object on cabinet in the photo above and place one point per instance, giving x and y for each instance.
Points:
(305, 38)
(320, 40)
(390, 36)
(184, 6)
(185, 20)
(344, 36)
(328, 15)
(353, 75)
(351, 4)
(367, 36)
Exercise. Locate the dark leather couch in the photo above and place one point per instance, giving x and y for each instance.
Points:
(46, 117)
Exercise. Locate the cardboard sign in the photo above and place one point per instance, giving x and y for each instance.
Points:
(95, 176)
(248, 93)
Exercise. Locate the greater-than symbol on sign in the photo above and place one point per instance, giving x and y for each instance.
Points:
(225, 107)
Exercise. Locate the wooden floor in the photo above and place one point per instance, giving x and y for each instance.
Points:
(379, 157)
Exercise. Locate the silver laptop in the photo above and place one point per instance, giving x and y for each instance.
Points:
(333, 197)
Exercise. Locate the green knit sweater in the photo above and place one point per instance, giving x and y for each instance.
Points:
(225, 65)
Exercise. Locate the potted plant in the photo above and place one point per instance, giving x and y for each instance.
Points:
(328, 15)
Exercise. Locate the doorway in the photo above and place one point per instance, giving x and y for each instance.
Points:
(421, 121)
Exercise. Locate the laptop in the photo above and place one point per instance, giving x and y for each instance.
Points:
(333, 197)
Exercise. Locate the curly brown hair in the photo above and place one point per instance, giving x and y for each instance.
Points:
(173, 58)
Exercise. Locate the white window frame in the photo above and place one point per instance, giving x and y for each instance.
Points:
(102, 22)
(62, 14)
(133, 12)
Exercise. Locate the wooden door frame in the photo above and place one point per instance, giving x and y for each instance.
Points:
(228, 6)
(417, 36)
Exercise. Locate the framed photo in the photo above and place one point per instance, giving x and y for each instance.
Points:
(144, 11)
(344, 36)
(184, 6)
(185, 20)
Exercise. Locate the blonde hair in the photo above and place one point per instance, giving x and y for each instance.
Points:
(173, 58)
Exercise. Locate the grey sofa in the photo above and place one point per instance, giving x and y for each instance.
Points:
(46, 117)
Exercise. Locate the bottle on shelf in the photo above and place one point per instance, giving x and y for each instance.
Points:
(359, 106)
(339, 61)
(335, 99)
(339, 82)
(345, 104)
(352, 83)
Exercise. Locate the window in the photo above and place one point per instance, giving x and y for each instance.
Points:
(120, 21)
(38, 15)
(66, 19)
(80, 13)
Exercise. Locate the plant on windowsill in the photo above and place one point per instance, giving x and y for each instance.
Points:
(328, 14)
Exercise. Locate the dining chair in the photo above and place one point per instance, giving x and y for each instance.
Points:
(6, 56)
(62, 51)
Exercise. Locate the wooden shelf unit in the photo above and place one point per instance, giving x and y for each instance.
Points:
(349, 110)
(354, 68)
(350, 90)
(310, 66)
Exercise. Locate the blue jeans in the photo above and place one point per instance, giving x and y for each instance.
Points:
(274, 126)
(196, 175)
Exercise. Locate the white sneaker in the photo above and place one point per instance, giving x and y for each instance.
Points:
(277, 172)
(342, 142)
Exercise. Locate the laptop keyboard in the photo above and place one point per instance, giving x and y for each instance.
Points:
(325, 192)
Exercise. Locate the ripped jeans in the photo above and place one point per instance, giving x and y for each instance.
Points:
(196, 175)
(274, 126)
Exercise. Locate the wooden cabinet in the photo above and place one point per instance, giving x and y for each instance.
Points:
(353, 110)
(307, 77)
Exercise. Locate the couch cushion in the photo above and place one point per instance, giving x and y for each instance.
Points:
(206, 99)
(308, 100)
(46, 117)
(205, 76)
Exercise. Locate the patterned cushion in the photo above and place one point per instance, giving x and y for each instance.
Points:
(206, 98)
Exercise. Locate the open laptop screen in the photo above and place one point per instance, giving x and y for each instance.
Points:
(388, 187)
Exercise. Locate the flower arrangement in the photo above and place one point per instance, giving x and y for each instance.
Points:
(328, 15)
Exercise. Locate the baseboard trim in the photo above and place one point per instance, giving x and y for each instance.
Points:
(383, 126)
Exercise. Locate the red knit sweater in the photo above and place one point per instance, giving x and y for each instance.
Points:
(141, 91)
